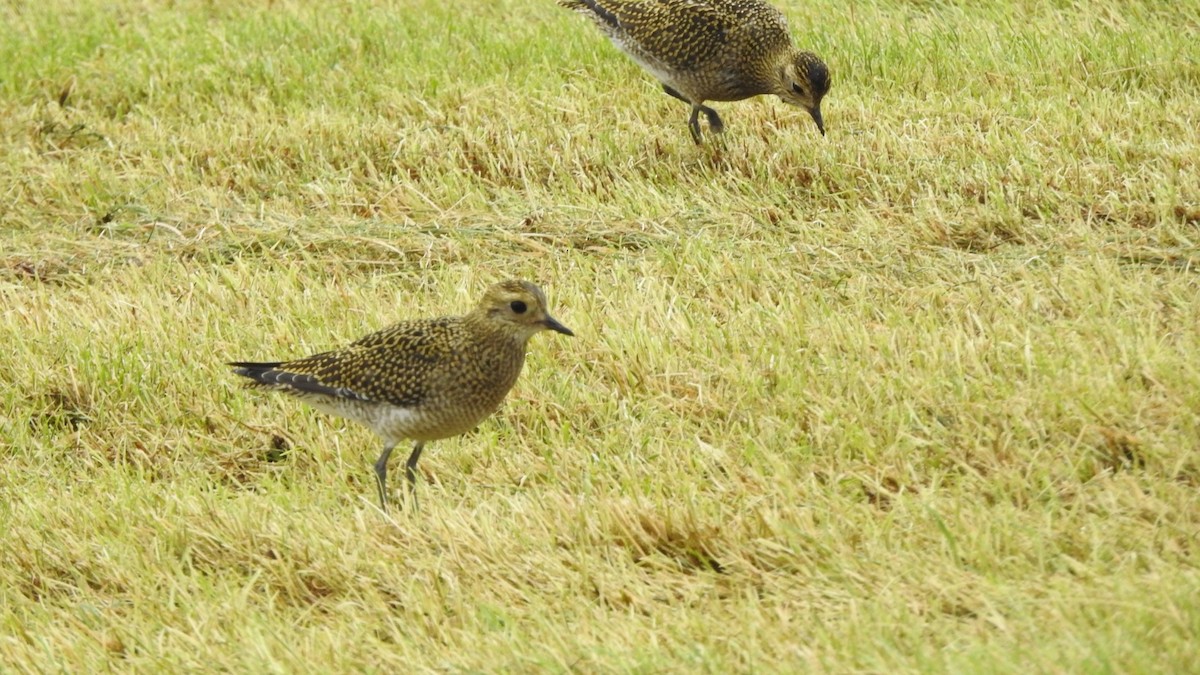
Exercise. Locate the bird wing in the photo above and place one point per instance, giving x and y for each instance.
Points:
(288, 377)
(681, 35)
(394, 365)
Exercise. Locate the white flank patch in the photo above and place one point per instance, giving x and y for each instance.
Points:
(393, 423)
(660, 72)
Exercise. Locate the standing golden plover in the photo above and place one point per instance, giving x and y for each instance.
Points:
(713, 50)
(420, 380)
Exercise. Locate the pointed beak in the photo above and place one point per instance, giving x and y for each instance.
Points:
(552, 324)
(816, 115)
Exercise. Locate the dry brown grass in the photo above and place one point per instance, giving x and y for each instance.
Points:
(918, 396)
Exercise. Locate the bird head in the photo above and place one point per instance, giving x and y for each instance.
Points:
(519, 307)
(804, 81)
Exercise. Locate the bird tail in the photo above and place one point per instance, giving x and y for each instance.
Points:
(594, 8)
(261, 373)
(271, 376)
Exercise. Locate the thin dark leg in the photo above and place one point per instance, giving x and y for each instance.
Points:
(410, 470)
(381, 473)
(694, 124)
(672, 92)
(715, 124)
(714, 120)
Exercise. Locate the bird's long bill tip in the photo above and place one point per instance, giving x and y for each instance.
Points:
(554, 325)
(816, 115)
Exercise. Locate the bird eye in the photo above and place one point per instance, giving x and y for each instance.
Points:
(517, 306)
(798, 89)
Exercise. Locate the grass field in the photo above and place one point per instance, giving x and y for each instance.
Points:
(921, 395)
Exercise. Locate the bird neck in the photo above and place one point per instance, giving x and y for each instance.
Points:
(500, 334)
(781, 76)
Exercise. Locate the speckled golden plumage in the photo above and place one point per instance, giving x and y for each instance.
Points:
(713, 50)
(421, 380)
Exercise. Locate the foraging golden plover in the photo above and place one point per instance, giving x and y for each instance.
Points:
(713, 50)
(421, 380)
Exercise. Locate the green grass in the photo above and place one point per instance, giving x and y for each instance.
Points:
(921, 395)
